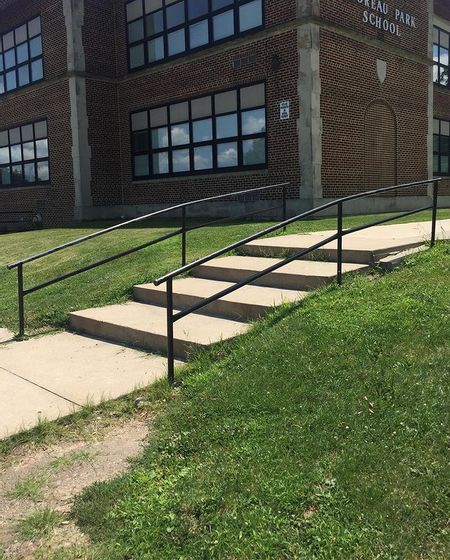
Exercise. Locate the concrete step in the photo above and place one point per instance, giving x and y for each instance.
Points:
(246, 304)
(297, 275)
(358, 250)
(144, 326)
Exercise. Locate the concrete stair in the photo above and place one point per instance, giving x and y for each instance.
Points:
(360, 250)
(297, 275)
(247, 304)
(144, 326)
(143, 322)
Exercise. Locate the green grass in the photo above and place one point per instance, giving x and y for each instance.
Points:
(113, 282)
(28, 489)
(71, 459)
(38, 524)
(320, 435)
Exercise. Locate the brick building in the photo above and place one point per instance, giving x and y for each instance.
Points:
(116, 107)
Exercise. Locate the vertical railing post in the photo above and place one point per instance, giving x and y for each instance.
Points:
(183, 237)
(170, 350)
(339, 242)
(284, 205)
(434, 219)
(21, 300)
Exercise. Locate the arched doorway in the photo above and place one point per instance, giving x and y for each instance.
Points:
(380, 146)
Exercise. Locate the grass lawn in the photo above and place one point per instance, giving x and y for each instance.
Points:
(320, 435)
(111, 283)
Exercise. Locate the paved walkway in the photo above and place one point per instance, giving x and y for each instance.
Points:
(52, 376)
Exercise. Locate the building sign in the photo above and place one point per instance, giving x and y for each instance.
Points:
(285, 110)
(382, 16)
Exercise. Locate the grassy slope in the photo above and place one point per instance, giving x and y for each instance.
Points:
(111, 283)
(322, 435)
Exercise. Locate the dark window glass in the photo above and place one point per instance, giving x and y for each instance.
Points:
(175, 15)
(155, 23)
(137, 58)
(177, 26)
(156, 49)
(226, 130)
(441, 147)
(197, 8)
(177, 42)
(24, 155)
(223, 25)
(199, 34)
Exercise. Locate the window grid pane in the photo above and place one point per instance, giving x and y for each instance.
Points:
(222, 136)
(21, 58)
(441, 147)
(441, 50)
(24, 156)
(162, 29)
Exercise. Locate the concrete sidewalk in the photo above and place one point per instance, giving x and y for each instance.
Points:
(52, 376)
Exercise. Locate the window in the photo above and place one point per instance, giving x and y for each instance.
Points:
(441, 147)
(221, 132)
(24, 155)
(21, 60)
(162, 29)
(441, 40)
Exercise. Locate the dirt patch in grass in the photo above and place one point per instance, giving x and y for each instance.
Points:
(33, 481)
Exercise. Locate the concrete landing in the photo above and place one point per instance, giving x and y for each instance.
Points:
(55, 375)
(364, 247)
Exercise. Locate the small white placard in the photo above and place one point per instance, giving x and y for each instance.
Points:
(285, 110)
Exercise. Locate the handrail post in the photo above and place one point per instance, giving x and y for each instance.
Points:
(170, 350)
(434, 219)
(284, 206)
(20, 295)
(183, 236)
(339, 242)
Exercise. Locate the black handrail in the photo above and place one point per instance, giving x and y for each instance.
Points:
(22, 292)
(339, 235)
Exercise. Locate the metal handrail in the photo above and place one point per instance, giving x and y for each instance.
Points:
(140, 219)
(22, 292)
(341, 233)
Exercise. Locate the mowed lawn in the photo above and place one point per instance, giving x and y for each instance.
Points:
(113, 282)
(320, 435)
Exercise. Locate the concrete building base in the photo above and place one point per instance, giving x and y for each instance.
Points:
(213, 210)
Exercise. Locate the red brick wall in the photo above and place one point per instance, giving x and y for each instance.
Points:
(209, 71)
(48, 99)
(350, 85)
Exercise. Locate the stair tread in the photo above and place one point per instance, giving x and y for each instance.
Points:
(371, 243)
(204, 288)
(304, 268)
(195, 328)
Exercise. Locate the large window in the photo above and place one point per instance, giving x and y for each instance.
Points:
(21, 56)
(441, 147)
(441, 40)
(24, 155)
(162, 29)
(214, 133)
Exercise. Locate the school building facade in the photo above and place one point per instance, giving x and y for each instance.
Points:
(113, 108)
